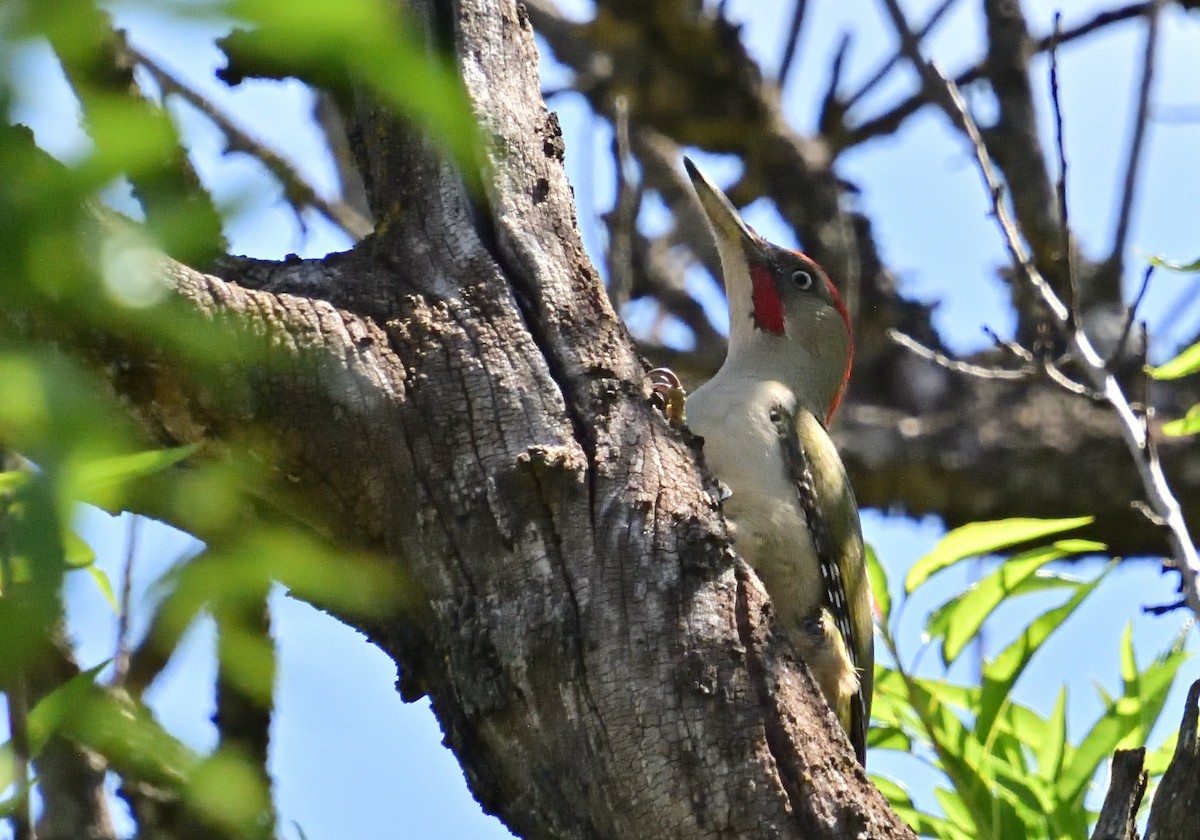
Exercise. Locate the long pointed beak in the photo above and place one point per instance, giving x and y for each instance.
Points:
(727, 224)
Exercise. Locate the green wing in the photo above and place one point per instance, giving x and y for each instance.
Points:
(827, 499)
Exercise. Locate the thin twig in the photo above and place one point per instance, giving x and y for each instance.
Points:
(295, 186)
(1163, 609)
(1130, 315)
(891, 120)
(1141, 120)
(910, 43)
(1067, 383)
(1064, 213)
(956, 365)
(1012, 240)
(622, 220)
(1153, 518)
(1011, 346)
(833, 110)
(121, 658)
(880, 74)
(1158, 492)
(789, 48)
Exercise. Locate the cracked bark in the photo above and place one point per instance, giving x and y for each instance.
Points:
(457, 394)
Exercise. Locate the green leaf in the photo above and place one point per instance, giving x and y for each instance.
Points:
(1002, 673)
(79, 554)
(879, 584)
(52, 711)
(1171, 265)
(1157, 761)
(923, 824)
(10, 805)
(1185, 363)
(231, 792)
(1126, 719)
(955, 810)
(127, 735)
(7, 771)
(105, 586)
(1050, 748)
(1023, 724)
(1189, 424)
(979, 538)
(889, 738)
(957, 621)
(957, 752)
(891, 708)
(1029, 797)
(368, 41)
(13, 480)
(100, 475)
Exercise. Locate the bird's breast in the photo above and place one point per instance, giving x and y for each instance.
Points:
(741, 447)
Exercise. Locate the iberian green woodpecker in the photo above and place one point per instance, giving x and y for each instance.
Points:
(763, 418)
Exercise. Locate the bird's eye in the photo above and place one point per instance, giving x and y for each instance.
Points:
(802, 279)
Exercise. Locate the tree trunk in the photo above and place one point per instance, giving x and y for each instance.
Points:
(458, 394)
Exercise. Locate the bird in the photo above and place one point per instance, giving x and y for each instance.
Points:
(764, 419)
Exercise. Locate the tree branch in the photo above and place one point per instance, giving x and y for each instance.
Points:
(799, 7)
(1141, 122)
(296, 187)
(891, 120)
(1172, 817)
(1154, 482)
(1126, 786)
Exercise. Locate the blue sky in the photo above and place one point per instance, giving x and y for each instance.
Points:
(350, 759)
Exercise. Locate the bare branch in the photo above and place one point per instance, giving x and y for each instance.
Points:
(1173, 814)
(833, 110)
(1158, 492)
(1067, 383)
(17, 699)
(17, 706)
(891, 120)
(880, 74)
(622, 219)
(1011, 346)
(956, 365)
(1012, 239)
(121, 657)
(789, 50)
(910, 44)
(296, 187)
(1130, 315)
(1141, 120)
(1061, 184)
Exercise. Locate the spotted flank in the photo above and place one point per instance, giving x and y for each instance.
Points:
(834, 599)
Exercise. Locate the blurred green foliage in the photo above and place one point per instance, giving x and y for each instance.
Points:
(1007, 770)
(80, 285)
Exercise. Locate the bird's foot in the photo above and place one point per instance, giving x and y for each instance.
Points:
(668, 395)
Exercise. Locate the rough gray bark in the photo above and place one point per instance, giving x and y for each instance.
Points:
(1118, 815)
(1177, 798)
(457, 394)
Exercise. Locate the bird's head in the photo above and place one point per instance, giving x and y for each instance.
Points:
(786, 319)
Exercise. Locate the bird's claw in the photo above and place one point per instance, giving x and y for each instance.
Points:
(668, 395)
